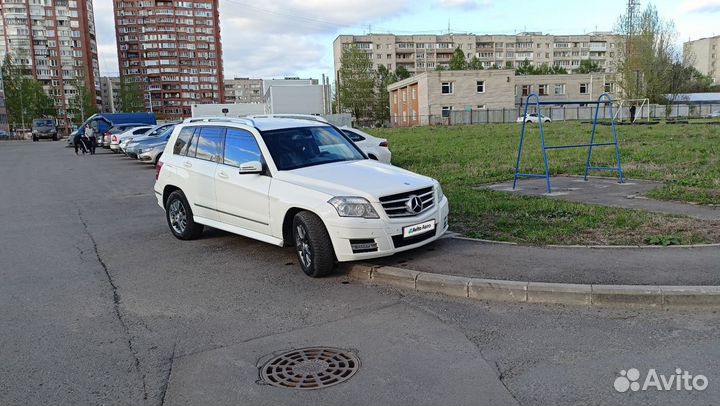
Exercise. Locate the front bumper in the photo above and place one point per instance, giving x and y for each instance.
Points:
(148, 157)
(386, 234)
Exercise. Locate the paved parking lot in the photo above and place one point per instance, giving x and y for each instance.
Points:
(100, 304)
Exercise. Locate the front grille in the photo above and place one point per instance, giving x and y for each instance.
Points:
(399, 241)
(397, 205)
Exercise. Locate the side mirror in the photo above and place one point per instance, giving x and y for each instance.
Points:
(251, 167)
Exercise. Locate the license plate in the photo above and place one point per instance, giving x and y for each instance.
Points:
(417, 229)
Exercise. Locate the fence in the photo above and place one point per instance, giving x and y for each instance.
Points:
(558, 113)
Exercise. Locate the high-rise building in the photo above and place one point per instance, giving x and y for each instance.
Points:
(173, 49)
(55, 40)
(110, 93)
(704, 55)
(422, 53)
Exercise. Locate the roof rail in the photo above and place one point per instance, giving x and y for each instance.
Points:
(220, 119)
(290, 115)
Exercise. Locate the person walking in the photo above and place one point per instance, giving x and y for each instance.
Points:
(79, 142)
(92, 138)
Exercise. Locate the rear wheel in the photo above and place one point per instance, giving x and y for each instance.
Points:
(547, 121)
(35, 139)
(55, 138)
(312, 244)
(180, 217)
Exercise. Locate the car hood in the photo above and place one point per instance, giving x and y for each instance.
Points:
(366, 178)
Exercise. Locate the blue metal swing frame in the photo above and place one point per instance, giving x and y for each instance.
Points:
(603, 99)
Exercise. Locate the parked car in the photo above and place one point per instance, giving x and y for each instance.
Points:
(150, 150)
(714, 114)
(115, 139)
(295, 182)
(375, 148)
(533, 118)
(4, 135)
(153, 132)
(44, 128)
(106, 138)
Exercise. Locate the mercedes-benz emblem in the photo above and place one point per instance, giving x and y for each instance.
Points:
(414, 204)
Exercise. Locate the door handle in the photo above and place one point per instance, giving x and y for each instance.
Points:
(187, 164)
(223, 175)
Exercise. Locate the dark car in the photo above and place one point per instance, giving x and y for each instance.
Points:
(44, 128)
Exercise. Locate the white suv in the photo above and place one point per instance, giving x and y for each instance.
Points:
(290, 181)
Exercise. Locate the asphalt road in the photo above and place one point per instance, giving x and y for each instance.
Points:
(99, 304)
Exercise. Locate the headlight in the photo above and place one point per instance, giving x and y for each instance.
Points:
(353, 207)
(440, 193)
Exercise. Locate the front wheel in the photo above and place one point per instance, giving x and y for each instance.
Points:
(529, 122)
(312, 244)
(180, 217)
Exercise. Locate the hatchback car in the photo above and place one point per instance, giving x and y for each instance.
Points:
(533, 118)
(289, 181)
(374, 148)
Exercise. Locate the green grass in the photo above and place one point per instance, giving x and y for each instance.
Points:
(685, 157)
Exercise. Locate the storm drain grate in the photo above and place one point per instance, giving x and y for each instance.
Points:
(310, 368)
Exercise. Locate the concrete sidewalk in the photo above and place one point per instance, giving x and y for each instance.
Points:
(611, 266)
(606, 192)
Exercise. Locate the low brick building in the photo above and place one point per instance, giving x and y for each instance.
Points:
(433, 97)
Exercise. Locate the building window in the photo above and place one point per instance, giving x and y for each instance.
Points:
(447, 88)
(480, 84)
(414, 95)
(481, 106)
(583, 88)
(446, 111)
(559, 88)
(526, 89)
(542, 90)
(509, 64)
(609, 87)
(395, 97)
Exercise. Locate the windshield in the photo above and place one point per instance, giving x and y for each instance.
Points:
(293, 148)
(43, 123)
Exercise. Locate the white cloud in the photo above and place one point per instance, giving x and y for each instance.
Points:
(464, 4)
(700, 6)
(272, 38)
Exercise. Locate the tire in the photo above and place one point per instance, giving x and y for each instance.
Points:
(55, 137)
(528, 122)
(546, 121)
(312, 245)
(35, 139)
(179, 217)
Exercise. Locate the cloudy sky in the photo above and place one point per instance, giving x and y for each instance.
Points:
(277, 38)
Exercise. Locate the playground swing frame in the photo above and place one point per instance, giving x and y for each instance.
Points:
(602, 99)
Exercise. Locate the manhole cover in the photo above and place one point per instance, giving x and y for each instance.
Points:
(310, 368)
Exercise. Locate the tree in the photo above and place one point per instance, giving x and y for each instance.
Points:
(588, 66)
(131, 97)
(357, 84)
(648, 56)
(82, 105)
(25, 98)
(402, 73)
(475, 64)
(525, 68)
(383, 78)
(458, 61)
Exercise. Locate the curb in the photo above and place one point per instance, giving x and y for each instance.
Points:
(599, 247)
(632, 296)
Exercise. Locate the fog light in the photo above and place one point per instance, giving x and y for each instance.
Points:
(368, 245)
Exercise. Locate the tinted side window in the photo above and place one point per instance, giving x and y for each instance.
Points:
(209, 143)
(240, 147)
(183, 139)
(353, 135)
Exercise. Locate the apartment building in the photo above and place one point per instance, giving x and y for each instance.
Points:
(243, 90)
(110, 94)
(173, 48)
(704, 54)
(423, 53)
(55, 40)
(429, 96)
